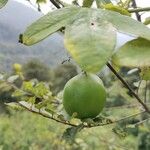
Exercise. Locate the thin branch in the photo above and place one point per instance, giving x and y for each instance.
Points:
(55, 4)
(70, 124)
(136, 13)
(141, 122)
(139, 9)
(128, 87)
(47, 116)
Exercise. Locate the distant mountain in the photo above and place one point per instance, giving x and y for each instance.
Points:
(14, 18)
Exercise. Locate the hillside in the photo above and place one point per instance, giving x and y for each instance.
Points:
(50, 51)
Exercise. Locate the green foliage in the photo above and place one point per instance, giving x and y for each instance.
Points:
(99, 48)
(29, 131)
(5, 93)
(47, 25)
(133, 54)
(3, 3)
(87, 38)
(33, 92)
(14, 106)
(144, 139)
(23, 131)
(35, 69)
(85, 25)
(70, 133)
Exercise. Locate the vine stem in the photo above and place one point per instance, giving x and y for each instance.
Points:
(128, 87)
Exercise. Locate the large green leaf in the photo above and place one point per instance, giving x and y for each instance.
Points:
(126, 24)
(90, 40)
(48, 24)
(53, 21)
(135, 53)
(3, 3)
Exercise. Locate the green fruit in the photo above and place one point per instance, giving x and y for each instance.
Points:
(84, 95)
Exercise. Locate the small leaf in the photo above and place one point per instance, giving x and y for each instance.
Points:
(14, 105)
(120, 131)
(13, 78)
(134, 54)
(88, 40)
(48, 24)
(27, 86)
(3, 3)
(70, 133)
(18, 93)
(32, 100)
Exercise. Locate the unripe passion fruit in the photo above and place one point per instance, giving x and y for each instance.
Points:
(84, 95)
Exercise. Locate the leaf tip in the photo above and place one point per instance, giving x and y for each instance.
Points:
(20, 38)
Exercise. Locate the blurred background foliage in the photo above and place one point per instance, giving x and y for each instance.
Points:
(22, 130)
